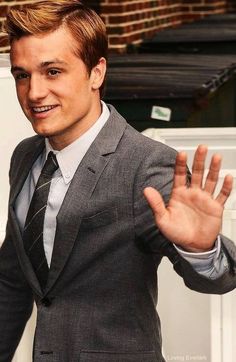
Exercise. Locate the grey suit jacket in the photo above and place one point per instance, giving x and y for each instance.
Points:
(100, 301)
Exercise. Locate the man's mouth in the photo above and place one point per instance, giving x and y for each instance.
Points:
(43, 109)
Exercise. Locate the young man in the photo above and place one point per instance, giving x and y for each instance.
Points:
(81, 240)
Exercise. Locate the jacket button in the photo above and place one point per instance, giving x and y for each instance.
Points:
(46, 302)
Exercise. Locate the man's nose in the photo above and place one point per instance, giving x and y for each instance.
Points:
(37, 89)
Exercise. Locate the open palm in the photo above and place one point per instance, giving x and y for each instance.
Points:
(193, 217)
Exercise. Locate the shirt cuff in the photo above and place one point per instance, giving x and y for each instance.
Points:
(211, 264)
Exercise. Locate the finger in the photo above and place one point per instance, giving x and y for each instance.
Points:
(180, 169)
(225, 190)
(155, 201)
(213, 174)
(198, 166)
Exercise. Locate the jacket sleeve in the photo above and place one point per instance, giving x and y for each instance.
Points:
(157, 170)
(16, 300)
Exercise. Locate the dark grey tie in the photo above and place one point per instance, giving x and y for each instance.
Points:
(33, 229)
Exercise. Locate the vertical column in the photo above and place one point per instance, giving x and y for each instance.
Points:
(228, 300)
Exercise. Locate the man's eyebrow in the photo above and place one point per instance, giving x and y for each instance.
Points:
(51, 62)
(42, 65)
(17, 69)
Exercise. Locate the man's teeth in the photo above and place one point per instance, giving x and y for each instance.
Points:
(42, 109)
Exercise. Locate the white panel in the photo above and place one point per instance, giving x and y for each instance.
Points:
(228, 325)
(233, 319)
(185, 318)
(216, 330)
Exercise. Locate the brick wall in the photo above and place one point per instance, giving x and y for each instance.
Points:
(231, 6)
(131, 21)
(195, 9)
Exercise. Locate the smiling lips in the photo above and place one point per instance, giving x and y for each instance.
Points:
(42, 109)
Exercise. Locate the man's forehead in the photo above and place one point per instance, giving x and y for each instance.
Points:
(43, 50)
(55, 41)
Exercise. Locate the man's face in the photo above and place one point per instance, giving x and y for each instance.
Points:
(55, 91)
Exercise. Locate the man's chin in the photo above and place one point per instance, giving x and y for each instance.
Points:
(42, 132)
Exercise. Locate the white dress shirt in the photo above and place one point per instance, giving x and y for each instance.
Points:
(212, 263)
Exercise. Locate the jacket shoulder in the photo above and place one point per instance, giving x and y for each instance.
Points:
(146, 146)
(28, 143)
(26, 146)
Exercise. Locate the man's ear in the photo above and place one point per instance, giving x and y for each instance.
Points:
(98, 73)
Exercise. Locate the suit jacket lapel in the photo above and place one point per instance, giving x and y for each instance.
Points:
(80, 190)
(23, 258)
(22, 167)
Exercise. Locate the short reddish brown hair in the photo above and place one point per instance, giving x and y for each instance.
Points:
(85, 25)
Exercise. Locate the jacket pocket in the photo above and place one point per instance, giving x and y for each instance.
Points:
(102, 218)
(103, 356)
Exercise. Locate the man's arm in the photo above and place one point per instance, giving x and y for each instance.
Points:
(16, 300)
(174, 204)
(212, 263)
(193, 217)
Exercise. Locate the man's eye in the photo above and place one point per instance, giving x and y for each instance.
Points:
(20, 76)
(53, 72)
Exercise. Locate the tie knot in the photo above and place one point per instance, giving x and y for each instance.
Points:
(51, 164)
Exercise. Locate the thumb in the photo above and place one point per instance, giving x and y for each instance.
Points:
(155, 201)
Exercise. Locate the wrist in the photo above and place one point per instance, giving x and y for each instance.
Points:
(197, 250)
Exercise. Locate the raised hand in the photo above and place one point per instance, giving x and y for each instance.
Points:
(193, 217)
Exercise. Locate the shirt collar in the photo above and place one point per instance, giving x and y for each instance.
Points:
(70, 157)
